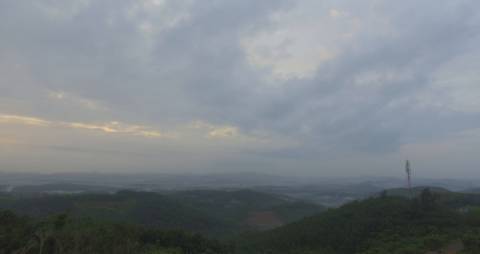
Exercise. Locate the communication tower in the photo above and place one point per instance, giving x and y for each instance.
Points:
(408, 170)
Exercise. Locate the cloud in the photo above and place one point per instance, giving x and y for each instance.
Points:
(76, 100)
(217, 131)
(109, 128)
(223, 132)
(208, 130)
(15, 119)
(301, 40)
(116, 127)
(274, 83)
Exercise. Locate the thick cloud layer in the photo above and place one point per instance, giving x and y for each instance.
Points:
(314, 87)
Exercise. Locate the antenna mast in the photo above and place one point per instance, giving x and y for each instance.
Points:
(408, 170)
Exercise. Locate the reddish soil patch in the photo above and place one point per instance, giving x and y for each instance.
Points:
(453, 248)
(263, 220)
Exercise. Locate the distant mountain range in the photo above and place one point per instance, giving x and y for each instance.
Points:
(331, 192)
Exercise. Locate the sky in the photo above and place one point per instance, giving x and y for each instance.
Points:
(306, 87)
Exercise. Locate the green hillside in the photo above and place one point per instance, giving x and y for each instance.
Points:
(126, 206)
(377, 225)
(472, 190)
(136, 222)
(454, 200)
(415, 191)
(62, 234)
(209, 212)
(247, 209)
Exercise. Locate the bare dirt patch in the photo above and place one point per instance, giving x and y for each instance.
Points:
(263, 220)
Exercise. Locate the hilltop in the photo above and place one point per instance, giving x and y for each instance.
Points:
(384, 224)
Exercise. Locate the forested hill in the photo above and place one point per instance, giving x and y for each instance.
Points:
(61, 234)
(430, 222)
(215, 213)
(377, 225)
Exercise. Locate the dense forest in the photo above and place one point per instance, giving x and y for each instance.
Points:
(210, 212)
(62, 234)
(383, 224)
(429, 221)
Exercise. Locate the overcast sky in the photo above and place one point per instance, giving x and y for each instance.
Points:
(326, 88)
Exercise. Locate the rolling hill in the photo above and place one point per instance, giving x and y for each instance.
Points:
(209, 212)
(248, 209)
(383, 224)
(433, 221)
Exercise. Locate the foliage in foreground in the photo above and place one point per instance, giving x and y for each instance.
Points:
(61, 234)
